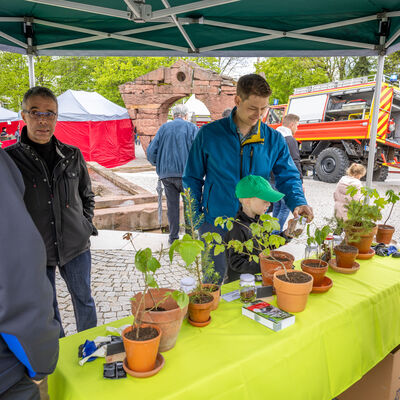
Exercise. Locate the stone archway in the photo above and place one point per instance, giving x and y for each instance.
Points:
(149, 97)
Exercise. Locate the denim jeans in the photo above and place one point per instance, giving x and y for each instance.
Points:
(281, 211)
(220, 265)
(173, 189)
(76, 274)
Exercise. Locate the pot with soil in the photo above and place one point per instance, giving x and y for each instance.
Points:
(167, 314)
(292, 290)
(215, 292)
(141, 347)
(316, 268)
(345, 255)
(361, 238)
(272, 263)
(200, 304)
(385, 234)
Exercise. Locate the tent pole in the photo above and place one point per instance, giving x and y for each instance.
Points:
(374, 123)
(31, 68)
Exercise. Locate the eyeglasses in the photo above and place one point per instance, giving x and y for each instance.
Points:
(49, 115)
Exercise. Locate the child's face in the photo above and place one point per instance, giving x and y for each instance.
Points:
(258, 206)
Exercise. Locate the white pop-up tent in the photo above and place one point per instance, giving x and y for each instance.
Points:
(8, 115)
(199, 110)
(100, 128)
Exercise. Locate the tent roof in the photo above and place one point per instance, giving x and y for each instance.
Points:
(204, 27)
(7, 115)
(78, 105)
(196, 106)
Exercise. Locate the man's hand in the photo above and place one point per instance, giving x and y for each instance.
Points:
(305, 211)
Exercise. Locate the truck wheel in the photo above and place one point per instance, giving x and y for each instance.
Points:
(380, 174)
(331, 164)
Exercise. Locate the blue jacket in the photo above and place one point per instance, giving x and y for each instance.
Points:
(169, 150)
(218, 160)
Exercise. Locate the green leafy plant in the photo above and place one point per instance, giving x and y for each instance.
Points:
(318, 237)
(362, 216)
(391, 198)
(194, 252)
(147, 264)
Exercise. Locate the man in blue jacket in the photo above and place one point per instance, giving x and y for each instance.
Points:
(169, 151)
(28, 331)
(236, 146)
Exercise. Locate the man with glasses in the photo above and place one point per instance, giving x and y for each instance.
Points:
(59, 198)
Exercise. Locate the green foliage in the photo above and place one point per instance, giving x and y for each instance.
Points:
(391, 198)
(194, 252)
(318, 237)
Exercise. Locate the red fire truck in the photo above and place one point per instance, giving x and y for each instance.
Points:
(335, 123)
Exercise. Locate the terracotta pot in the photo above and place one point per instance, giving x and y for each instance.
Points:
(200, 312)
(365, 240)
(292, 297)
(216, 295)
(269, 267)
(384, 234)
(345, 255)
(169, 321)
(141, 355)
(316, 268)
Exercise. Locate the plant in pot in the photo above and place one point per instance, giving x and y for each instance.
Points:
(292, 287)
(142, 339)
(360, 224)
(385, 232)
(194, 255)
(317, 267)
(164, 307)
(261, 248)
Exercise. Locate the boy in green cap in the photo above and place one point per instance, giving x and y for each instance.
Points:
(255, 195)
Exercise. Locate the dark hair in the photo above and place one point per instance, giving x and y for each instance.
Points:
(38, 91)
(252, 84)
(226, 112)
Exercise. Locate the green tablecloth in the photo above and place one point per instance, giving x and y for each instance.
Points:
(339, 337)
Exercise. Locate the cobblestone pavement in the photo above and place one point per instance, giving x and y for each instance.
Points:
(114, 281)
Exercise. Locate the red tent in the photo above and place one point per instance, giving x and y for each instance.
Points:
(101, 129)
(9, 120)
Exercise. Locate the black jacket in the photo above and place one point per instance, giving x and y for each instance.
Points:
(60, 203)
(294, 152)
(28, 330)
(239, 263)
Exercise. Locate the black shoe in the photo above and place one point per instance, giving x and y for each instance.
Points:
(396, 255)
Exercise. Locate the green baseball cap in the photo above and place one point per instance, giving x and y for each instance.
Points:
(257, 186)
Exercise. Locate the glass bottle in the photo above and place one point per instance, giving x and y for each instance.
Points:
(188, 284)
(311, 251)
(247, 288)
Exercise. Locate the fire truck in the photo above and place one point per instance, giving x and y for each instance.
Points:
(335, 124)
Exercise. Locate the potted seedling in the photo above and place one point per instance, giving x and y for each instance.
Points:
(142, 339)
(292, 287)
(360, 225)
(317, 267)
(201, 300)
(385, 232)
(260, 248)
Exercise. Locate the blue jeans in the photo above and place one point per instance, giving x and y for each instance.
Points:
(220, 265)
(76, 274)
(281, 211)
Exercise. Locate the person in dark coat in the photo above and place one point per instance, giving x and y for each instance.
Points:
(28, 331)
(59, 198)
(255, 195)
(289, 126)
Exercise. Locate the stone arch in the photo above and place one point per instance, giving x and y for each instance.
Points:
(149, 97)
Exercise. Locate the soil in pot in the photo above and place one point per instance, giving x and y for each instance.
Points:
(385, 234)
(141, 354)
(200, 306)
(168, 316)
(345, 255)
(215, 292)
(292, 291)
(272, 263)
(295, 277)
(316, 268)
